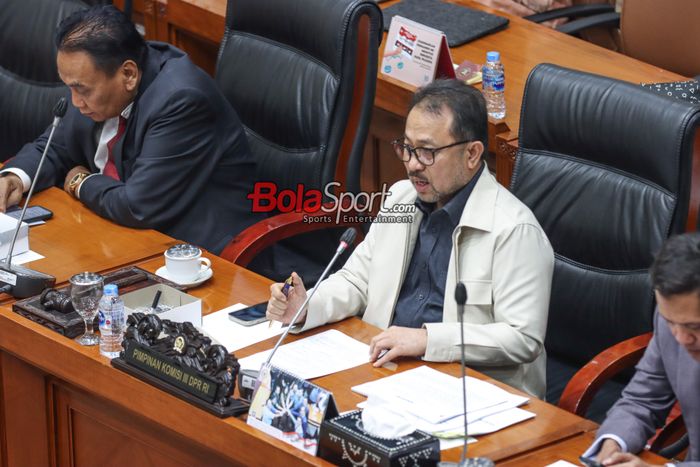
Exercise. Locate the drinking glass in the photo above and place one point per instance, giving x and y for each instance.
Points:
(85, 293)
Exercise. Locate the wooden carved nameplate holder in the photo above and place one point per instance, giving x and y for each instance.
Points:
(68, 322)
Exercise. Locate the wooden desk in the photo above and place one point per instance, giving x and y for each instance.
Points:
(568, 450)
(64, 405)
(197, 27)
(75, 239)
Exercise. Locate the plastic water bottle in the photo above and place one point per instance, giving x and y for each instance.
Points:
(494, 84)
(112, 322)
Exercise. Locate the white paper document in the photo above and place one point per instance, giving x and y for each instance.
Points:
(26, 257)
(435, 396)
(314, 356)
(433, 400)
(235, 336)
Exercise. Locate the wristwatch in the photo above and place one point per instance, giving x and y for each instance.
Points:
(75, 182)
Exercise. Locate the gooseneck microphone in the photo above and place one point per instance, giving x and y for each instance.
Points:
(461, 299)
(18, 281)
(347, 239)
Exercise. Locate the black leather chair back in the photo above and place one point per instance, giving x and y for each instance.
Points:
(289, 69)
(606, 168)
(29, 82)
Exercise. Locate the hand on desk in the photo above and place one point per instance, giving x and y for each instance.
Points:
(397, 342)
(282, 307)
(11, 190)
(611, 454)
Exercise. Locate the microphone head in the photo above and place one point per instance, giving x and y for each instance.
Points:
(461, 294)
(59, 110)
(349, 236)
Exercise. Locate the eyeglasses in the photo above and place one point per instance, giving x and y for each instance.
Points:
(425, 156)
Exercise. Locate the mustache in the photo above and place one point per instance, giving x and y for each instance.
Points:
(418, 176)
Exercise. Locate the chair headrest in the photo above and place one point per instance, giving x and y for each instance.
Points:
(27, 30)
(312, 31)
(607, 121)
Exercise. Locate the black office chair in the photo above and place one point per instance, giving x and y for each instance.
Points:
(606, 167)
(28, 78)
(301, 76)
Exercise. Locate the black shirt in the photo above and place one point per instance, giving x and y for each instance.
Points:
(423, 291)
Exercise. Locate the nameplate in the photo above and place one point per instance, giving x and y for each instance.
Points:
(416, 54)
(8, 278)
(168, 370)
(290, 408)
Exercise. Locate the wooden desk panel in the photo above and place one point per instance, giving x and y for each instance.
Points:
(568, 450)
(80, 397)
(75, 239)
(549, 425)
(84, 400)
(233, 285)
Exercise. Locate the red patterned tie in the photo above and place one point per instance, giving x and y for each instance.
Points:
(110, 169)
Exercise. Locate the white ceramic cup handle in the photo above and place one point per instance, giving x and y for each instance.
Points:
(206, 262)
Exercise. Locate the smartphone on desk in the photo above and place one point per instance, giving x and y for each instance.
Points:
(33, 214)
(249, 316)
(590, 462)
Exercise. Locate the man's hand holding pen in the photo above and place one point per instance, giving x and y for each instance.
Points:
(285, 300)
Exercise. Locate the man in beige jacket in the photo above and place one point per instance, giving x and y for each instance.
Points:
(466, 228)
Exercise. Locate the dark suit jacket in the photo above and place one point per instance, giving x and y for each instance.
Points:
(184, 162)
(665, 372)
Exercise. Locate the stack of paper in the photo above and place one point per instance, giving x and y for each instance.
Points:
(315, 356)
(433, 400)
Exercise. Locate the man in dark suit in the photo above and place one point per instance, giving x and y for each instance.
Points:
(670, 367)
(148, 142)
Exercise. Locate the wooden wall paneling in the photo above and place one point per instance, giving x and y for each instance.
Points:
(92, 431)
(230, 438)
(159, 10)
(196, 29)
(149, 18)
(24, 413)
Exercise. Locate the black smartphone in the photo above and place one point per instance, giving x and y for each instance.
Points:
(589, 462)
(249, 316)
(33, 214)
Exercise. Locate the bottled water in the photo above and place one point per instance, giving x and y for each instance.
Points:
(112, 322)
(494, 83)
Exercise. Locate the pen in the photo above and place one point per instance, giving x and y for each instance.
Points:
(285, 291)
(286, 286)
(156, 299)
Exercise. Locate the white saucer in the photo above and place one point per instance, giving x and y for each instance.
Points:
(203, 277)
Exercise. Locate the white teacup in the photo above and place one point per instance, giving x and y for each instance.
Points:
(185, 264)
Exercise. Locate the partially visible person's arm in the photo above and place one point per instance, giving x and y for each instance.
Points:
(18, 172)
(11, 190)
(180, 152)
(344, 293)
(645, 402)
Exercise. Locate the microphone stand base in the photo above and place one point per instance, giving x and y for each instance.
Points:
(21, 282)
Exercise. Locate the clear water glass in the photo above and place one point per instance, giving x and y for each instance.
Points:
(85, 293)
